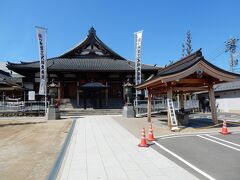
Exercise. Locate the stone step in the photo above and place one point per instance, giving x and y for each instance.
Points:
(77, 112)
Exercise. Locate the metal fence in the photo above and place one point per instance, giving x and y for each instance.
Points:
(22, 107)
(158, 106)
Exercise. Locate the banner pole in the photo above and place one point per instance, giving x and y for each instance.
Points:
(135, 63)
(46, 76)
(42, 42)
(138, 47)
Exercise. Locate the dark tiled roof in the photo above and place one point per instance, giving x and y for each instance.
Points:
(93, 85)
(4, 74)
(8, 80)
(90, 55)
(5, 78)
(186, 63)
(182, 64)
(79, 64)
(227, 86)
(93, 46)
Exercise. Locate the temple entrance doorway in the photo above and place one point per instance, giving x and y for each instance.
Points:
(93, 99)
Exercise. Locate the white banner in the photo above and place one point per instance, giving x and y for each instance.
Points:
(138, 41)
(41, 35)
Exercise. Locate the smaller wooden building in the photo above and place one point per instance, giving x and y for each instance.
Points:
(188, 75)
(10, 88)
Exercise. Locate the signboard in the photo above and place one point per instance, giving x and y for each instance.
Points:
(138, 46)
(41, 35)
(31, 95)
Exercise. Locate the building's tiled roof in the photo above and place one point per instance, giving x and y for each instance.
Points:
(227, 86)
(90, 55)
(185, 63)
(79, 64)
(92, 46)
(93, 85)
(4, 74)
(196, 58)
(182, 64)
(6, 77)
(3, 67)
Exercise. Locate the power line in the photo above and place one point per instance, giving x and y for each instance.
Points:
(231, 46)
(219, 54)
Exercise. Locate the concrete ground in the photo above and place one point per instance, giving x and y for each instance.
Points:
(135, 125)
(29, 146)
(231, 117)
(215, 154)
(217, 160)
(102, 149)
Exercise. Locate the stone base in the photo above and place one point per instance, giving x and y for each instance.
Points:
(128, 111)
(183, 119)
(53, 113)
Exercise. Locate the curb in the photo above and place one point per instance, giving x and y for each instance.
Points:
(58, 163)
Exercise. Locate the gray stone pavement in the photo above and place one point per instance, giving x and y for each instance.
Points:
(100, 148)
(232, 117)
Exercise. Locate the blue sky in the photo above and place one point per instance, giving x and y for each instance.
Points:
(165, 24)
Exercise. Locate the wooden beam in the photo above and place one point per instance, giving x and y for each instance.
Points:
(179, 89)
(157, 85)
(149, 106)
(190, 88)
(157, 92)
(192, 81)
(213, 104)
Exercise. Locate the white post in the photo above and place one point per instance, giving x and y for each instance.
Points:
(178, 102)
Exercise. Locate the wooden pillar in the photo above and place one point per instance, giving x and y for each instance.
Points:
(59, 90)
(149, 105)
(169, 96)
(213, 104)
(106, 94)
(181, 101)
(78, 93)
(169, 92)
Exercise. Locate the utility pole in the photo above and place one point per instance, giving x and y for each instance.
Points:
(231, 46)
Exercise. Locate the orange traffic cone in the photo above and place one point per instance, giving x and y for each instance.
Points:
(150, 134)
(224, 128)
(143, 142)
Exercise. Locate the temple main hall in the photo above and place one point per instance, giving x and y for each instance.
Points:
(90, 75)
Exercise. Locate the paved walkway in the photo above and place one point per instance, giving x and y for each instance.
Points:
(102, 149)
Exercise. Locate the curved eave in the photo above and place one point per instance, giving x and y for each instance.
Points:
(205, 66)
(160, 77)
(53, 65)
(194, 56)
(79, 45)
(87, 40)
(109, 49)
(76, 70)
